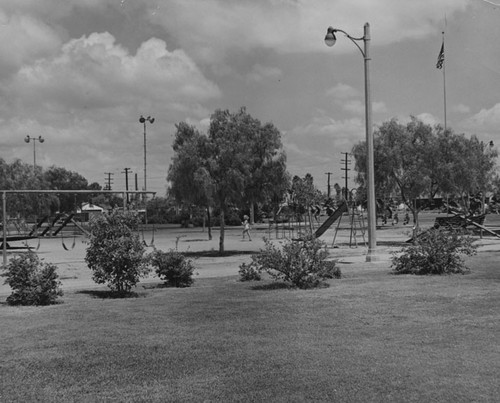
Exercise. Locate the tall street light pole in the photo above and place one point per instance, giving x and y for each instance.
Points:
(144, 120)
(40, 139)
(330, 40)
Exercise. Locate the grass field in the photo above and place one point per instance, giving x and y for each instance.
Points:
(370, 336)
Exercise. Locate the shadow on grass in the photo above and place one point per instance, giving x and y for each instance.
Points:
(273, 286)
(283, 286)
(153, 286)
(108, 294)
(216, 253)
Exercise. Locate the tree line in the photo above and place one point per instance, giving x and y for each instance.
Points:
(241, 163)
(416, 160)
(19, 175)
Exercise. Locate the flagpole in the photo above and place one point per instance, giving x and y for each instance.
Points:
(444, 85)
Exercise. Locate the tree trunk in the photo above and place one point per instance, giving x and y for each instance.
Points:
(252, 215)
(209, 223)
(221, 238)
(309, 216)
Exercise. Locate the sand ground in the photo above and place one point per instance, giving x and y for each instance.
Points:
(75, 275)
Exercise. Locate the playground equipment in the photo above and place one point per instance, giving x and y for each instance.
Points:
(14, 238)
(152, 243)
(455, 221)
(330, 220)
(356, 225)
(34, 233)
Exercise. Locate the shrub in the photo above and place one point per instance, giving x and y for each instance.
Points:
(32, 282)
(173, 268)
(116, 253)
(249, 272)
(301, 263)
(439, 252)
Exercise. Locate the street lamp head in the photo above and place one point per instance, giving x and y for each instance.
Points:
(41, 139)
(151, 120)
(330, 38)
(27, 139)
(141, 119)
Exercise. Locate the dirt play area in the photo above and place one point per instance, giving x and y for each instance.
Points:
(75, 275)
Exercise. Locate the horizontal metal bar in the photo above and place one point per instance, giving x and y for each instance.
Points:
(77, 191)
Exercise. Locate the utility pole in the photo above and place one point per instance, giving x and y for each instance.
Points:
(108, 180)
(136, 188)
(329, 187)
(346, 162)
(126, 172)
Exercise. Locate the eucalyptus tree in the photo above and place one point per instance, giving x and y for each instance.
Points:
(19, 175)
(187, 174)
(466, 166)
(304, 195)
(59, 178)
(418, 160)
(239, 161)
(267, 178)
(403, 154)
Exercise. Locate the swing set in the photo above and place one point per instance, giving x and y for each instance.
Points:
(6, 238)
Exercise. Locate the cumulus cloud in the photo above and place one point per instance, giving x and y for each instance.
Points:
(351, 100)
(212, 27)
(314, 147)
(94, 72)
(461, 108)
(342, 91)
(260, 73)
(89, 96)
(24, 39)
(486, 121)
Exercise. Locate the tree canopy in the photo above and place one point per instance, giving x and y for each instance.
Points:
(416, 160)
(19, 175)
(239, 162)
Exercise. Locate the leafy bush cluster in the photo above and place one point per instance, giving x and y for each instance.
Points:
(439, 252)
(300, 263)
(32, 281)
(116, 253)
(173, 268)
(249, 272)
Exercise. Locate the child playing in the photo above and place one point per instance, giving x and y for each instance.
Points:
(246, 228)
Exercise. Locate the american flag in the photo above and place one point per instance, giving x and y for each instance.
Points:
(440, 61)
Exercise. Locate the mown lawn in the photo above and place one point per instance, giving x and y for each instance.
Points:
(370, 336)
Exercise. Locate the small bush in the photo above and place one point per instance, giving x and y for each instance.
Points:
(32, 282)
(301, 263)
(173, 268)
(249, 272)
(330, 270)
(439, 252)
(115, 253)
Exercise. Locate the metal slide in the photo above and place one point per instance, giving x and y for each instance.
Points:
(330, 220)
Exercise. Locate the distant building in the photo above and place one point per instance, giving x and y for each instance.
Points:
(87, 211)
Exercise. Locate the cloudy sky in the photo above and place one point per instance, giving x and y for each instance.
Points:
(81, 72)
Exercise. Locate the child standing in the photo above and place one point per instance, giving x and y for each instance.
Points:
(246, 228)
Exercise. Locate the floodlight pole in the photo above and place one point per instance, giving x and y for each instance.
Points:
(40, 139)
(144, 120)
(330, 40)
